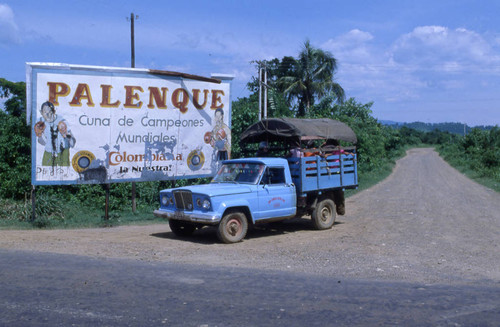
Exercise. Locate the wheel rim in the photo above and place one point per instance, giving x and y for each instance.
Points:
(234, 227)
(325, 214)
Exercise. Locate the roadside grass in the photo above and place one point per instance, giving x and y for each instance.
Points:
(90, 219)
(95, 218)
(479, 178)
(55, 214)
(485, 178)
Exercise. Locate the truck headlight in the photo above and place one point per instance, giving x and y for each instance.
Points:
(164, 200)
(203, 203)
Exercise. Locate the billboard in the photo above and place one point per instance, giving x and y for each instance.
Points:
(94, 124)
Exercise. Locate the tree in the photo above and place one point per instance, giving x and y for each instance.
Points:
(15, 144)
(16, 94)
(310, 77)
(15, 162)
(276, 69)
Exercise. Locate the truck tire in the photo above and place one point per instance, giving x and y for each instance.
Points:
(232, 228)
(323, 216)
(181, 228)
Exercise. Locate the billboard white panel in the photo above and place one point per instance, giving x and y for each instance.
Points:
(101, 125)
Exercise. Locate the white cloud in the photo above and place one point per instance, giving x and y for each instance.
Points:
(427, 60)
(442, 49)
(366, 69)
(354, 36)
(9, 31)
(224, 52)
(352, 46)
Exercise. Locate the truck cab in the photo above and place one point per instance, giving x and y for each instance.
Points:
(260, 189)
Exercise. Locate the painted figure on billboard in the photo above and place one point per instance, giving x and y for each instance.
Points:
(52, 132)
(221, 137)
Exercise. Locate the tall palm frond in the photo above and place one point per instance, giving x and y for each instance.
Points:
(312, 78)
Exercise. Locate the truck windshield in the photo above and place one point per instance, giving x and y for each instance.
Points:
(239, 173)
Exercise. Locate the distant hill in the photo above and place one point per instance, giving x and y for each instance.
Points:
(391, 123)
(456, 128)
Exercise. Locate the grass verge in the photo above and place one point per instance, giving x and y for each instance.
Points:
(463, 166)
(55, 214)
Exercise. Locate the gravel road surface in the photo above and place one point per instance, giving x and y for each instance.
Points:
(426, 223)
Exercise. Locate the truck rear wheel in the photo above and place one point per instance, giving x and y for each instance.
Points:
(323, 216)
(232, 228)
(181, 228)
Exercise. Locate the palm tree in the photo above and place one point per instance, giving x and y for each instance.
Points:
(311, 78)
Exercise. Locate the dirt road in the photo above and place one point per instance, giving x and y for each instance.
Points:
(425, 223)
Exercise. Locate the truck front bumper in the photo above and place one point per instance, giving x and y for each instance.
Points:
(208, 218)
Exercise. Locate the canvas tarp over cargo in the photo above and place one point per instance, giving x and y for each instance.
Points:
(296, 129)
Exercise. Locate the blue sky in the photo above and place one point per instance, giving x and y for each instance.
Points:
(429, 61)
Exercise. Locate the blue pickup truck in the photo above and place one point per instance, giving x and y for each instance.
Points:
(255, 190)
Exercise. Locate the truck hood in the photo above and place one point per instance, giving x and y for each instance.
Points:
(218, 189)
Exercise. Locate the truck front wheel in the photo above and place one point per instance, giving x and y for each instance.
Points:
(323, 216)
(232, 228)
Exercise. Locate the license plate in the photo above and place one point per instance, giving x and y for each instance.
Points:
(179, 215)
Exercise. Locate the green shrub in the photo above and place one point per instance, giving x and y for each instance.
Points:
(49, 209)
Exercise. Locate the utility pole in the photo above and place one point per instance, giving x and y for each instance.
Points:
(132, 38)
(262, 86)
(265, 90)
(132, 64)
(260, 92)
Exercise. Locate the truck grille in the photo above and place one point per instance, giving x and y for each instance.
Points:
(183, 200)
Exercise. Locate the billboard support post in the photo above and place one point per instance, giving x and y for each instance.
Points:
(33, 203)
(133, 195)
(106, 205)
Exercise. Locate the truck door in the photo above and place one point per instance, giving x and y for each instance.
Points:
(276, 198)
